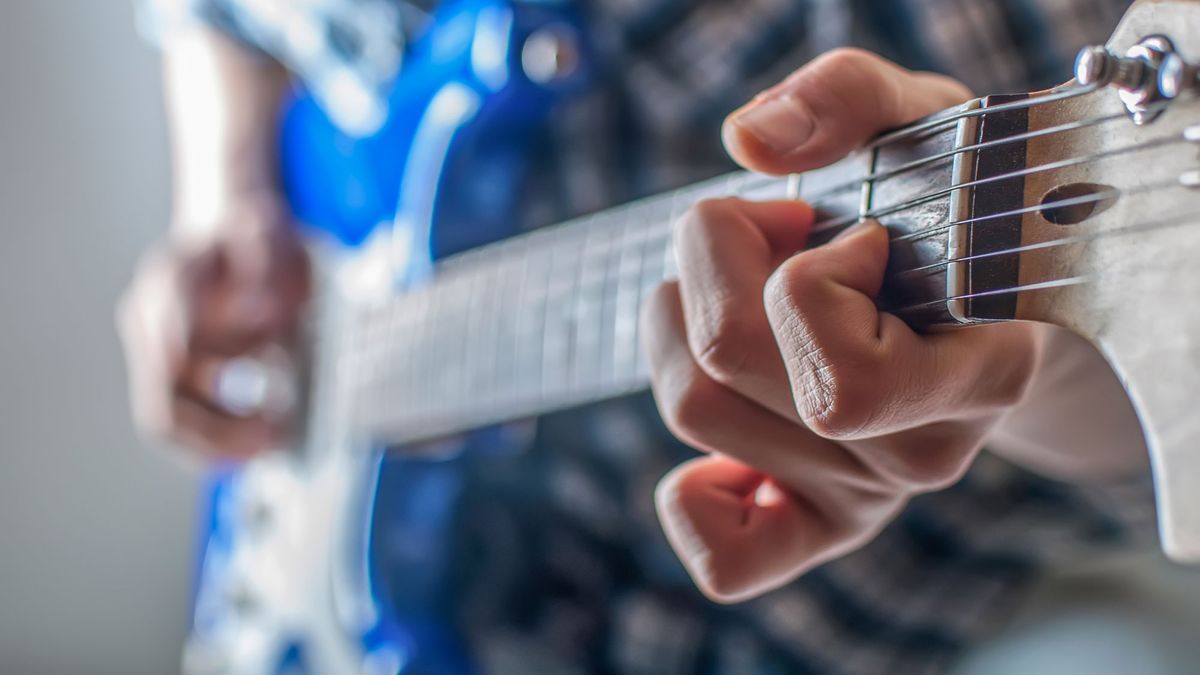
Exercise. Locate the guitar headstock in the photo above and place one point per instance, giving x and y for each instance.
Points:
(1108, 242)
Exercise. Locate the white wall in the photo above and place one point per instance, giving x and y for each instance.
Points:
(96, 532)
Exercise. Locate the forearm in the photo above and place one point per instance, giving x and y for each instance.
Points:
(1077, 422)
(223, 106)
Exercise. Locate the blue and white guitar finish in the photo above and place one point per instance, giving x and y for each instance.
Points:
(287, 578)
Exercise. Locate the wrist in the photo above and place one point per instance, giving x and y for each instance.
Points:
(225, 211)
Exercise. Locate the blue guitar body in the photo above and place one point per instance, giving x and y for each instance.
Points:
(445, 171)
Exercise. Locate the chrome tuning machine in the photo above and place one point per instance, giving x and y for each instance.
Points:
(1148, 74)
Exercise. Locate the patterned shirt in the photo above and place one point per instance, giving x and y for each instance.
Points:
(559, 565)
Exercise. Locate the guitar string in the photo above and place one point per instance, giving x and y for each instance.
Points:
(1026, 288)
(940, 119)
(1012, 290)
(756, 181)
(856, 184)
(945, 121)
(1021, 173)
(569, 387)
(620, 380)
(752, 182)
(1056, 243)
(1097, 197)
(659, 235)
(815, 199)
(1044, 206)
(1178, 220)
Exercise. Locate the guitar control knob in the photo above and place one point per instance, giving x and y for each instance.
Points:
(551, 54)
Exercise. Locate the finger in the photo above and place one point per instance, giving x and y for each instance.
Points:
(240, 296)
(217, 434)
(834, 500)
(709, 416)
(740, 534)
(856, 372)
(727, 250)
(830, 107)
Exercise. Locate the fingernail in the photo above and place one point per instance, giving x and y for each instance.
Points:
(779, 122)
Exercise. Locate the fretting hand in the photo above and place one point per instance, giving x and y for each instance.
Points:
(821, 415)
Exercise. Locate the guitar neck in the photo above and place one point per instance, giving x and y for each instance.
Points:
(549, 320)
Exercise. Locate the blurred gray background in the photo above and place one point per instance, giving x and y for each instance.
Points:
(97, 532)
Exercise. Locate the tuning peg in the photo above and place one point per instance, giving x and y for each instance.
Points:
(1136, 75)
(1098, 66)
(1177, 76)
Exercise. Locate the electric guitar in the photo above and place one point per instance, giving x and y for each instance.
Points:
(1077, 206)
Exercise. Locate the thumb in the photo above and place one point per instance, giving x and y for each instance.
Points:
(830, 107)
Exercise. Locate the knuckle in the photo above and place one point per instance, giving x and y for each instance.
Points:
(722, 344)
(853, 67)
(831, 384)
(715, 209)
(698, 220)
(794, 282)
(850, 58)
(829, 400)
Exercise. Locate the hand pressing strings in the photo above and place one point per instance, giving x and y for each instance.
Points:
(821, 415)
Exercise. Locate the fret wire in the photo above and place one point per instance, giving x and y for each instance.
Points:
(472, 335)
(555, 319)
(421, 336)
(438, 370)
(616, 292)
(581, 310)
(408, 316)
(519, 311)
(482, 380)
(494, 344)
(606, 291)
(503, 345)
(529, 315)
(457, 343)
(625, 336)
(397, 360)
